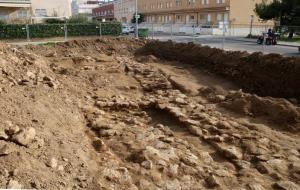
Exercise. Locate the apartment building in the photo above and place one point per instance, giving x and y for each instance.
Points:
(104, 12)
(124, 10)
(15, 11)
(199, 12)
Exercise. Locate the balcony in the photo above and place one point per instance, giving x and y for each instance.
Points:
(15, 3)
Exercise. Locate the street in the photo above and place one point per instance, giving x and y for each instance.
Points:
(232, 43)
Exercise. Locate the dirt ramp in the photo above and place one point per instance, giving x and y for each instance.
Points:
(265, 75)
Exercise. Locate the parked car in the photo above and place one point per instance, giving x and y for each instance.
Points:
(131, 29)
(125, 29)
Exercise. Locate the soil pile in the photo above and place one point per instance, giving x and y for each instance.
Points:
(92, 115)
(265, 75)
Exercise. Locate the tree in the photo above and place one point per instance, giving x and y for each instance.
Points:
(140, 20)
(79, 19)
(287, 12)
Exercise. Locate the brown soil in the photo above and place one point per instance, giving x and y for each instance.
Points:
(265, 75)
(94, 114)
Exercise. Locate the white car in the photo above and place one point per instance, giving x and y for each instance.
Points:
(125, 29)
(132, 29)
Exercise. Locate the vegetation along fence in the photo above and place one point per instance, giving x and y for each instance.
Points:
(22, 31)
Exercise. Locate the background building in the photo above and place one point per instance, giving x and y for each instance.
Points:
(198, 11)
(124, 10)
(104, 12)
(47, 8)
(234, 17)
(85, 7)
(15, 11)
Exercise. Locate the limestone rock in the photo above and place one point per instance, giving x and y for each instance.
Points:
(147, 164)
(231, 152)
(286, 185)
(24, 136)
(12, 184)
(52, 163)
(99, 145)
(212, 181)
(3, 135)
(255, 186)
(5, 150)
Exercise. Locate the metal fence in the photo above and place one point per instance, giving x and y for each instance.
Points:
(224, 35)
(204, 29)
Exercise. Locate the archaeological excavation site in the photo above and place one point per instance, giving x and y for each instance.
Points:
(127, 114)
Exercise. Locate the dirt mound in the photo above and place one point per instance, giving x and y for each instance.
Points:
(280, 111)
(265, 75)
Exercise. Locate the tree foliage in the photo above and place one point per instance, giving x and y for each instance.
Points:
(79, 19)
(140, 20)
(285, 11)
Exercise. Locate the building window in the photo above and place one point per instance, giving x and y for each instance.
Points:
(219, 17)
(40, 12)
(178, 3)
(202, 17)
(4, 15)
(22, 13)
(220, 1)
(178, 18)
(204, 2)
(226, 17)
(191, 2)
(208, 18)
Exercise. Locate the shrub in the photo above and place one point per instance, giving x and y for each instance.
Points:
(53, 21)
(2, 22)
(78, 19)
(18, 31)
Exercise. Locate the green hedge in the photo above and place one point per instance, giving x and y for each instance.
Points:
(18, 31)
(143, 32)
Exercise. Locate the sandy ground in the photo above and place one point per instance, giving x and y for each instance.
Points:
(92, 115)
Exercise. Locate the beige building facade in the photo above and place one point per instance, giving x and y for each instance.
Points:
(48, 8)
(124, 10)
(200, 12)
(15, 11)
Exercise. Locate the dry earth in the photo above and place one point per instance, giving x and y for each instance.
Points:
(93, 115)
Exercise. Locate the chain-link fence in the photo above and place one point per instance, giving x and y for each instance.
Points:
(31, 32)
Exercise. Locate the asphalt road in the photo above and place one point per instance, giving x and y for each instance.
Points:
(234, 44)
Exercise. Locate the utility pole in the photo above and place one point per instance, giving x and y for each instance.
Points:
(251, 25)
(136, 20)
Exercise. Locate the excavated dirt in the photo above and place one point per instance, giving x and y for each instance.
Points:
(98, 114)
(266, 75)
